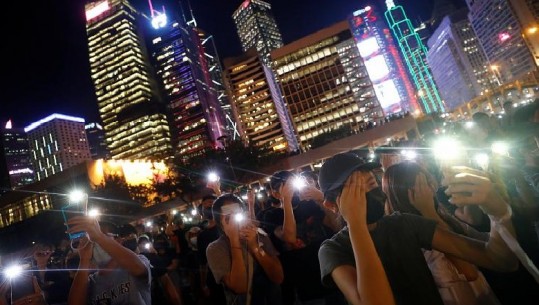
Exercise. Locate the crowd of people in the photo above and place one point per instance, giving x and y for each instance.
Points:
(458, 227)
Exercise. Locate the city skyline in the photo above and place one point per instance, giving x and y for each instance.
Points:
(48, 69)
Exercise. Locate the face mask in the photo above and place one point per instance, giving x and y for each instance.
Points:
(99, 256)
(193, 241)
(376, 199)
(131, 244)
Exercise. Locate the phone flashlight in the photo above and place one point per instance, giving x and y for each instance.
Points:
(239, 217)
(77, 206)
(147, 246)
(447, 149)
(94, 212)
(213, 177)
(500, 148)
(13, 271)
(299, 183)
(482, 159)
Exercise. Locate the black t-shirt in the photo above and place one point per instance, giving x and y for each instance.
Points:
(204, 238)
(399, 240)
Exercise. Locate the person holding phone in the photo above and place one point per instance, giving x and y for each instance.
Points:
(122, 276)
(243, 259)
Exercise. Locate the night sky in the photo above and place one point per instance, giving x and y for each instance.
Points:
(44, 55)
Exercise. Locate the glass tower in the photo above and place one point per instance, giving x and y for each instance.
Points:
(191, 93)
(129, 103)
(415, 56)
(16, 168)
(257, 28)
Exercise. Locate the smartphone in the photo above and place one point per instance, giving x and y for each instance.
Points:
(75, 209)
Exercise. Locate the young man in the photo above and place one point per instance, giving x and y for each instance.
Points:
(243, 259)
(400, 238)
(122, 276)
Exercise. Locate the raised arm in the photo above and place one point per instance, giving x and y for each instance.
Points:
(366, 283)
(78, 293)
(270, 263)
(472, 187)
(289, 224)
(125, 258)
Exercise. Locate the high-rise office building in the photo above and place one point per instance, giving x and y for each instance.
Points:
(189, 90)
(392, 85)
(458, 64)
(257, 103)
(57, 142)
(501, 35)
(414, 53)
(16, 168)
(527, 12)
(257, 28)
(129, 102)
(96, 141)
(325, 84)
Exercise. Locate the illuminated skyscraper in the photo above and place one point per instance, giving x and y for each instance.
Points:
(191, 94)
(129, 103)
(501, 35)
(257, 28)
(16, 168)
(57, 142)
(457, 61)
(386, 70)
(415, 55)
(257, 103)
(325, 84)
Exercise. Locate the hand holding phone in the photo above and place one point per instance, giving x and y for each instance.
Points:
(77, 206)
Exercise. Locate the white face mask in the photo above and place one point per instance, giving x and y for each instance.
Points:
(193, 241)
(99, 256)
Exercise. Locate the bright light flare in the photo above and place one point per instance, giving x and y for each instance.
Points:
(194, 212)
(76, 196)
(149, 224)
(94, 212)
(299, 183)
(409, 154)
(500, 148)
(469, 124)
(147, 246)
(239, 217)
(13, 271)
(482, 160)
(213, 177)
(174, 212)
(447, 149)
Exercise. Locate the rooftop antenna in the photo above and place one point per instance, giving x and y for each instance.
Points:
(193, 20)
(154, 11)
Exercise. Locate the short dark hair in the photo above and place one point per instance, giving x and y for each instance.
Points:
(208, 197)
(126, 230)
(278, 178)
(220, 201)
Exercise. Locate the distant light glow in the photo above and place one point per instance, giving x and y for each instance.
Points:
(503, 36)
(21, 171)
(9, 125)
(51, 117)
(377, 68)
(159, 21)
(97, 10)
(94, 212)
(368, 47)
(93, 125)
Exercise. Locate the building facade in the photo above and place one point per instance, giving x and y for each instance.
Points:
(392, 85)
(130, 106)
(256, 27)
(500, 34)
(325, 84)
(96, 141)
(458, 64)
(414, 53)
(16, 168)
(256, 102)
(527, 12)
(183, 71)
(57, 142)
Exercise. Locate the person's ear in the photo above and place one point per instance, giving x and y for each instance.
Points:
(331, 206)
(276, 194)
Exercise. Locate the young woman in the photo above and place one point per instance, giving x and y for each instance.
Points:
(411, 189)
